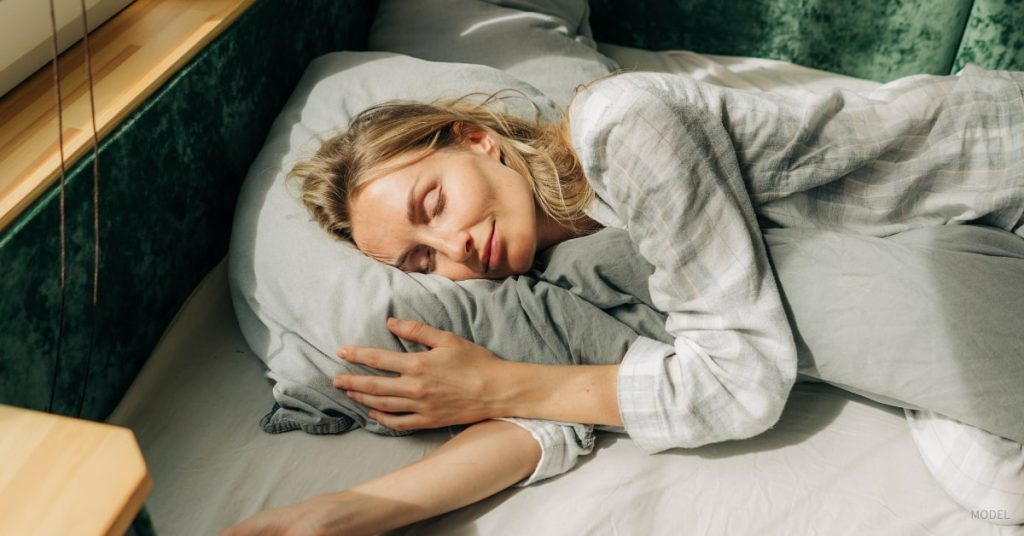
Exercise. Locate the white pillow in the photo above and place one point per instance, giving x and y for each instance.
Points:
(546, 43)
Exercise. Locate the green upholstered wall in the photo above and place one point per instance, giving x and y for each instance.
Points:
(169, 176)
(994, 36)
(874, 39)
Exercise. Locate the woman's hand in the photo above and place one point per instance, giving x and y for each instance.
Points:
(455, 382)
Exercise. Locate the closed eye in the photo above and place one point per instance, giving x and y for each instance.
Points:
(439, 206)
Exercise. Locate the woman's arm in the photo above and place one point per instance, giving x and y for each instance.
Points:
(657, 152)
(481, 461)
(429, 393)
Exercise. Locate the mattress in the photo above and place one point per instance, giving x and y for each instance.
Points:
(835, 463)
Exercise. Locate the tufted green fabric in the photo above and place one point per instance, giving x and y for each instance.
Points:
(994, 37)
(874, 39)
(170, 175)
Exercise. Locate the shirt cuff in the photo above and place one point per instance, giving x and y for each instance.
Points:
(639, 404)
(560, 445)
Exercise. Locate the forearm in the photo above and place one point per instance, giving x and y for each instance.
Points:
(567, 393)
(481, 461)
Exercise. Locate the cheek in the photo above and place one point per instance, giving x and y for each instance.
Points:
(521, 255)
(524, 221)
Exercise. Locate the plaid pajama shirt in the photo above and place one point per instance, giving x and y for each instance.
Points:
(692, 171)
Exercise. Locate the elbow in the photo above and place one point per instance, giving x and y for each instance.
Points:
(766, 406)
(765, 418)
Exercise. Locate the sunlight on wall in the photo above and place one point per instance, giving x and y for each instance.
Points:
(25, 32)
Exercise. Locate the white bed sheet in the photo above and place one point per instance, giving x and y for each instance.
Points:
(836, 463)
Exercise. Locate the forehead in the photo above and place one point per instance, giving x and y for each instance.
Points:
(380, 227)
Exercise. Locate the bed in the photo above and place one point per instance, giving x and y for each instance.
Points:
(836, 463)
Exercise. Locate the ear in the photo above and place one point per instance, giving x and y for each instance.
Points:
(476, 139)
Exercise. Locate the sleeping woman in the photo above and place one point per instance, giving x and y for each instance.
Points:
(693, 173)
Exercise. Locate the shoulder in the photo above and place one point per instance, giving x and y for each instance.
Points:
(613, 123)
(624, 99)
(617, 94)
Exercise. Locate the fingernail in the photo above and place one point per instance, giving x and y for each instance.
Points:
(343, 353)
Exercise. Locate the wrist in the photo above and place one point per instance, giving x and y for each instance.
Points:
(567, 393)
(522, 387)
(352, 512)
(363, 510)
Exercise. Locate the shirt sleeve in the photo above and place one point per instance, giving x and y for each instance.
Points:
(561, 444)
(662, 162)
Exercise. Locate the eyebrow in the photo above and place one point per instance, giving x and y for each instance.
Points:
(410, 211)
(410, 215)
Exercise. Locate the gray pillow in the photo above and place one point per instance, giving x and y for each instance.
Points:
(924, 319)
(299, 294)
(546, 43)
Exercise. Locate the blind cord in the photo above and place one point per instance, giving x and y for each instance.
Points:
(63, 234)
(54, 48)
(95, 207)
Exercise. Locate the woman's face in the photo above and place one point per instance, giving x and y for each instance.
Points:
(459, 213)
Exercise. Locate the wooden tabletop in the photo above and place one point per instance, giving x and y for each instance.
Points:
(133, 54)
(61, 475)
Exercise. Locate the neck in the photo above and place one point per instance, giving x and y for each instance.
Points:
(551, 232)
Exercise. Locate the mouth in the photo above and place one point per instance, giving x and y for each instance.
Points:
(485, 259)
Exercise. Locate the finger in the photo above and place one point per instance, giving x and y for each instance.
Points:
(402, 422)
(387, 404)
(373, 357)
(374, 385)
(421, 333)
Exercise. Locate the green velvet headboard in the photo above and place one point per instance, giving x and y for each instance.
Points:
(874, 39)
(170, 173)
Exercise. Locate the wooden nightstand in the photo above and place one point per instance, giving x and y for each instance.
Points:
(61, 475)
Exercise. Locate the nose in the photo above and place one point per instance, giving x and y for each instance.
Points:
(456, 245)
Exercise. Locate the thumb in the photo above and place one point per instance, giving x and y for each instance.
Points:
(419, 332)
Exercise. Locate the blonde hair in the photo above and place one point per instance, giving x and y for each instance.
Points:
(539, 151)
